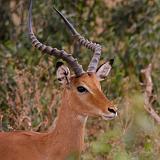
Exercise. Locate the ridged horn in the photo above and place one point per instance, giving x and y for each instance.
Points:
(77, 68)
(96, 48)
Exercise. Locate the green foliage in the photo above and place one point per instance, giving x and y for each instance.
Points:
(100, 148)
(129, 30)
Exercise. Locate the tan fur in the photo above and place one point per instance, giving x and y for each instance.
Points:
(67, 137)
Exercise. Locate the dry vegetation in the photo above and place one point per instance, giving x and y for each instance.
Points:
(128, 30)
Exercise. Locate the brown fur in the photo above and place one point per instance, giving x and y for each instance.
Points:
(66, 138)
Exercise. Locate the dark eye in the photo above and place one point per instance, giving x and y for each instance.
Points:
(82, 89)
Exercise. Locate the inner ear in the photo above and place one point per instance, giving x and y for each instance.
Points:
(62, 73)
(103, 71)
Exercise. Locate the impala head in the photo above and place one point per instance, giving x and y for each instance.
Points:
(83, 89)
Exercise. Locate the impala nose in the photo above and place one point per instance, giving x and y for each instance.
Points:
(112, 113)
(112, 110)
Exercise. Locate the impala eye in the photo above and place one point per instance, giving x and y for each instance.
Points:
(81, 89)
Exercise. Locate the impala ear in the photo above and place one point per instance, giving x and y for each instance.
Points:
(103, 70)
(62, 73)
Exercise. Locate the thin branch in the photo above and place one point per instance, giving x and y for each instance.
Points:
(148, 93)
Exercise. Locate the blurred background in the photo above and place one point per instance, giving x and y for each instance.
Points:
(129, 31)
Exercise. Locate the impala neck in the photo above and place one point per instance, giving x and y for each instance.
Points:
(69, 127)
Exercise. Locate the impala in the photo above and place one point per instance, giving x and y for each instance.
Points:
(82, 97)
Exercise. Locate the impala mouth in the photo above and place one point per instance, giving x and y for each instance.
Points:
(109, 116)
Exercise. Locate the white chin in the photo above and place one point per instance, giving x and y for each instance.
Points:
(109, 116)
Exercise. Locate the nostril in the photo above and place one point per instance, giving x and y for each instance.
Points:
(111, 110)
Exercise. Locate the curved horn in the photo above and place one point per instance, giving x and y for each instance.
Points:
(96, 48)
(77, 68)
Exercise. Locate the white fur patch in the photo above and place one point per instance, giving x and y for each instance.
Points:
(63, 74)
(103, 71)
